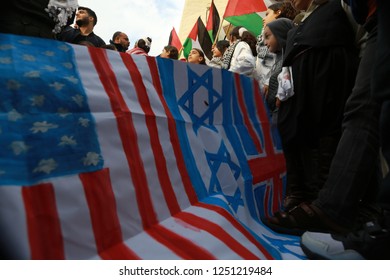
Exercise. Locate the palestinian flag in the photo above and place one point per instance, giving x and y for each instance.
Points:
(174, 40)
(198, 38)
(213, 22)
(246, 13)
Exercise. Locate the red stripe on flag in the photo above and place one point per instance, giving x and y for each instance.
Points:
(184, 248)
(173, 136)
(119, 252)
(43, 224)
(150, 118)
(217, 232)
(273, 165)
(104, 217)
(244, 111)
(262, 115)
(128, 135)
(237, 225)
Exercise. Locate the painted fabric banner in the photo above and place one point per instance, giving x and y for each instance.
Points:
(111, 156)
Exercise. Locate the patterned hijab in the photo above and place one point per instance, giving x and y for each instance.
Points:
(228, 55)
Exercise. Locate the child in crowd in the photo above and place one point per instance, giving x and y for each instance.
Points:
(196, 56)
(170, 52)
(141, 47)
(265, 59)
(218, 51)
(322, 56)
(240, 56)
(275, 37)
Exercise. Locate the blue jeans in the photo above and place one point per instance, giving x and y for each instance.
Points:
(354, 173)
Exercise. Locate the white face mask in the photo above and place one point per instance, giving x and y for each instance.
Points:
(60, 11)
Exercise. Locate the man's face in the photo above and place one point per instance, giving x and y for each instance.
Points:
(82, 18)
(123, 39)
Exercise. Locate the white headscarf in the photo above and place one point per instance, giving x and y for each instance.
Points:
(241, 31)
(147, 42)
(61, 11)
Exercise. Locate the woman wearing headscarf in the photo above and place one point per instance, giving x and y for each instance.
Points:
(218, 51)
(323, 57)
(265, 59)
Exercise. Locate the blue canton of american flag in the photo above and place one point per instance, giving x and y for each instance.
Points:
(46, 128)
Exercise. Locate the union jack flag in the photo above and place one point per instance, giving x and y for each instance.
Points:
(107, 155)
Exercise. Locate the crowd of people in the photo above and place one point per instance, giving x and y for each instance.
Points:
(332, 125)
(322, 68)
(68, 22)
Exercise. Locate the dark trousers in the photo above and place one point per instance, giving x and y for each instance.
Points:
(354, 173)
(384, 194)
(308, 168)
(381, 90)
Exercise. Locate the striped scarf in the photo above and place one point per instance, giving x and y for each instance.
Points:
(228, 55)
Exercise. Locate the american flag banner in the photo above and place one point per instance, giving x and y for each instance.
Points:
(107, 155)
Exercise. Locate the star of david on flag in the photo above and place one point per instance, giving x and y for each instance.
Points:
(107, 155)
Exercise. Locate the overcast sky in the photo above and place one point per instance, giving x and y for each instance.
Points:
(138, 19)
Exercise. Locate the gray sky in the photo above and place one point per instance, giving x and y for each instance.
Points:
(138, 19)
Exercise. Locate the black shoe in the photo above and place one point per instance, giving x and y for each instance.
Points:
(302, 218)
(292, 201)
(372, 243)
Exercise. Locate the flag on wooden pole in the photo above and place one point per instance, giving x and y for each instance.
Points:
(213, 22)
(198, 38)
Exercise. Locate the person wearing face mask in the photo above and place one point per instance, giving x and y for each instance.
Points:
(86, 20)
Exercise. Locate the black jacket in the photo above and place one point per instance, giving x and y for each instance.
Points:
(72, 35)
(317, 31)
